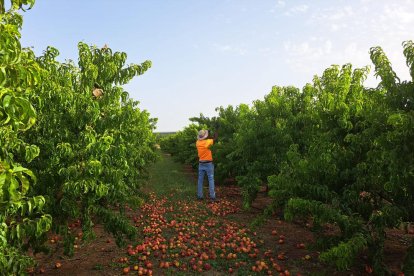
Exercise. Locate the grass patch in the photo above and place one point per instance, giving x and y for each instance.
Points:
(98, 267)
(167, 177)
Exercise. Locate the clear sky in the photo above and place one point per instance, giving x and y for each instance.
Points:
(210, 53)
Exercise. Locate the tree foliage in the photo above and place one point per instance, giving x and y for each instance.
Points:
(95, 143)
(23, 222)
(335, 152)
(182, 144)
(86, 142)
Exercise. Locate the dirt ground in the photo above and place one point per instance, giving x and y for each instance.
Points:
(102, 256)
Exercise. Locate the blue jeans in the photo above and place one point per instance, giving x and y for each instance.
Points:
(206, 168)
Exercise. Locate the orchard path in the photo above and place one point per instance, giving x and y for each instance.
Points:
(179, 235)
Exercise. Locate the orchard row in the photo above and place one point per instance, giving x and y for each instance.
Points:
(192, 237)
(335, 152)
(72, 143)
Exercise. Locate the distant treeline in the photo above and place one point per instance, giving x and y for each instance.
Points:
(163, 134)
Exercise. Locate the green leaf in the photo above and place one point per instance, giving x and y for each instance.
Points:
(3, 76)
(13, 190)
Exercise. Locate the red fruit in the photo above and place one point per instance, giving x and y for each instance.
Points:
(207, 266)
(368, 269)
(300, 245)
(125, 270)
(58, 265)
(277, 267)
(274, 232)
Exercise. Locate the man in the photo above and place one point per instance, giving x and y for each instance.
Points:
(205, 165)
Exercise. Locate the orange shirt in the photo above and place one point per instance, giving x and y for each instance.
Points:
(204, 153)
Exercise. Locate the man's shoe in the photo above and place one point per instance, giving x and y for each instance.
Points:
(200, 198)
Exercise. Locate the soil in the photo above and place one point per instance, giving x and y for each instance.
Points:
(101, 256)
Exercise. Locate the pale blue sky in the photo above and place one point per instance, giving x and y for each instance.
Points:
(210, 53)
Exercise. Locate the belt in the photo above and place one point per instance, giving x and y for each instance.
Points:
(204, 162)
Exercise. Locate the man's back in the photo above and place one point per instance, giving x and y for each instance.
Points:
(203, 148)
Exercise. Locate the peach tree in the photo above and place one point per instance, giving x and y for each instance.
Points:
(356, 172)
(22, 221)
(95, 143)
(336, 153)
(182, 145)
